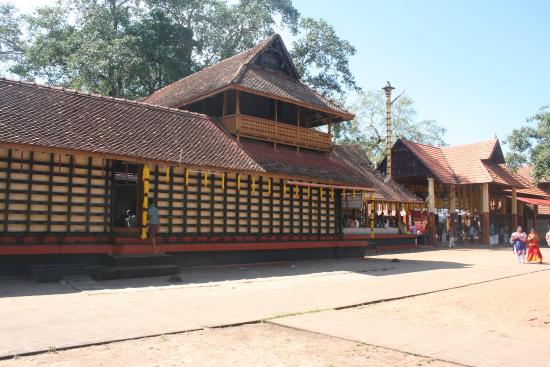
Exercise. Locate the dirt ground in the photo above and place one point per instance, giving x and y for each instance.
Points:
(248, 345)
(504, 322)
(473, 307)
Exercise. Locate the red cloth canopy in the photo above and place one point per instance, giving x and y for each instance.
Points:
(534, 201)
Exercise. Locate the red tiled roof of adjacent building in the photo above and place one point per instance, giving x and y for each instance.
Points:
(239, 71)
(47, 117)
(434, 159)
(467, 164)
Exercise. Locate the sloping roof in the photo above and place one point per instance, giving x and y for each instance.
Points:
(434, 159)
(466, 161)
(52, 117)
(49, 117)
(356, 159)
(239, 71)
(466, 164)
(503, 176)
(526, 171)
(307, 163)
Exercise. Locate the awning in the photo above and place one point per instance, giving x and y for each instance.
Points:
(534, 201)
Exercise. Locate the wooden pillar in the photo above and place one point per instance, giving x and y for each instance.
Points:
(485, 212)
(535, 213)
(452, 207)
(276, 110)
(298, 125)
(224, 108)
(514, 210)
(238, 113)
(431, 211)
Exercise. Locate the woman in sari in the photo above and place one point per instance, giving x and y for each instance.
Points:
(533, 254)
(518, 240)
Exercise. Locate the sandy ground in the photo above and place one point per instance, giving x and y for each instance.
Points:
(498, 323)
(249, 345)
(486, 311)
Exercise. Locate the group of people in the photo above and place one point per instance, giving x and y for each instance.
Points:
(526, 247)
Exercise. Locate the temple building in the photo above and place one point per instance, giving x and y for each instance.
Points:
(469, 183)
(237, 157)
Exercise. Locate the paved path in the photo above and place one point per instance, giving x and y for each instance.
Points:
(35, 317)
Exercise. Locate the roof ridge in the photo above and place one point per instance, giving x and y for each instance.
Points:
(470, 144)
(259, 48)
(97, 95)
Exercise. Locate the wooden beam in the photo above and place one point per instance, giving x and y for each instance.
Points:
(224, 108)
(344, 116)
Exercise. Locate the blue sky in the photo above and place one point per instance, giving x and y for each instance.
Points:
(478, 67)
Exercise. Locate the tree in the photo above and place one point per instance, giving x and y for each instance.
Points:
(222, 29)
(130, 48)
(322, 58)
(368, 129)
(531, 145)
(11, 42)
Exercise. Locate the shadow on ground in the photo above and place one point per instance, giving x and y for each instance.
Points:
(220, 275)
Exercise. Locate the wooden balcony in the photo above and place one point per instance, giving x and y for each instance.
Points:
(277, 132)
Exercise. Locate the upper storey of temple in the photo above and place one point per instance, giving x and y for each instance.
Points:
(265, 70)
(257, 94)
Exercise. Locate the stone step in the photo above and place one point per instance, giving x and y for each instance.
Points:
(55, 272)
(120, 272)
(140, 260)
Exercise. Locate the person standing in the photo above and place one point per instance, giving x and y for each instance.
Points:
(518, 240)
(533, 253)
(548, 237)
(153, 224)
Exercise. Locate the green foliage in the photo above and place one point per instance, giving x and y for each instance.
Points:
(368, 129)
(112, 48)
(531, 145)
(11, 43)
(322, 58)
(222, 29)
(130, 48)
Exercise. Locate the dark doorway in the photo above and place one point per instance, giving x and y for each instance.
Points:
(126, 189)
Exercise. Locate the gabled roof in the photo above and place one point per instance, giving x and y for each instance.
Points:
(357, 160)
(466, 163)
(40, 117)
(241, 72)
(433, 158)
(475, 163)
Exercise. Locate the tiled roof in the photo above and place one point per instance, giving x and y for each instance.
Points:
(52, 117)
(43, 116)
(466, 164)
(238, 71)
(307, 163)
(434, 159)
(503, 176)
(465, 161)
(357, 160)
(526, 171)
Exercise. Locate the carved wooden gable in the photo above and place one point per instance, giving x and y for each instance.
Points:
(275, 58)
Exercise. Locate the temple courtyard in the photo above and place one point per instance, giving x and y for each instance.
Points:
(426, 307)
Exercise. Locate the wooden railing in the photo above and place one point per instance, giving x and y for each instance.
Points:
(268, 130)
